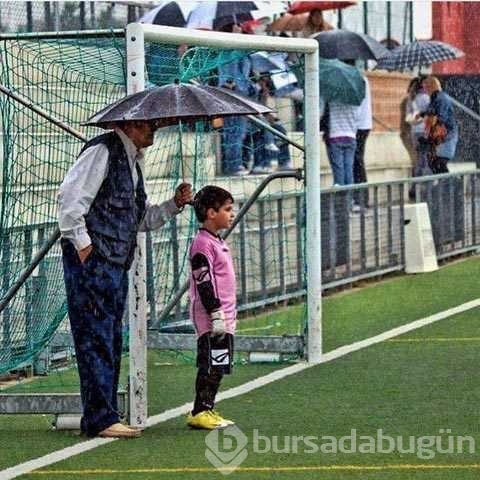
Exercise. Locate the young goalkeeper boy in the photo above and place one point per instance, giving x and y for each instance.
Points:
(212, 303)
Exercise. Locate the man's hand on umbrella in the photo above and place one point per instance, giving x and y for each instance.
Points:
(183, 195)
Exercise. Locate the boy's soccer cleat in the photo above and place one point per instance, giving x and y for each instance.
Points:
(205, 420)
(217, 415)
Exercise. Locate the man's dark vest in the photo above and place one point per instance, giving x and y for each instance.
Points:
(117, 210)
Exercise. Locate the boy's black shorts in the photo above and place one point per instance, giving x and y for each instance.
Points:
(215, 353)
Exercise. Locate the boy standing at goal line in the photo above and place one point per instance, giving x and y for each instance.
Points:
(212, 303)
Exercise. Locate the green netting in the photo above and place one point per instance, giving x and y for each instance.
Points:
(73, 78)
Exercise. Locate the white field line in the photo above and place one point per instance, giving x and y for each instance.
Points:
(81, 447)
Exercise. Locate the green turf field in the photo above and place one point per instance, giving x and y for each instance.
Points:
(421, 384)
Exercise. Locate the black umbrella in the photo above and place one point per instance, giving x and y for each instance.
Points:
(172, 14)
(176, 102)
(418, 54)
(347, 45)
(214, 15)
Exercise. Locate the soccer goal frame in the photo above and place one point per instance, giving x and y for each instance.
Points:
(136, 36)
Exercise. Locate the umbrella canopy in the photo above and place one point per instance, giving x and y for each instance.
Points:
(172, 14)
(347, 45)
(340, 82)
(214, 15)
(267, 61)
(176, 102)
(418, 54)
(267, 11)
(302, 7)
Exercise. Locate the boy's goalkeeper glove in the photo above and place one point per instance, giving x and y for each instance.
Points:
(218, 323)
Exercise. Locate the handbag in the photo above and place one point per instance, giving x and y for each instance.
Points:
(435, 130)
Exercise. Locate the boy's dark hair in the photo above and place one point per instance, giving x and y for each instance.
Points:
(210, 196)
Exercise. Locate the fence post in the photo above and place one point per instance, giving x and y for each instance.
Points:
(39, 284)
(6, 251)
(243, 261)
(281, 240)
(261, 248)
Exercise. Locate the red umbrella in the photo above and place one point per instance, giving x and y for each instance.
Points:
(302, 7)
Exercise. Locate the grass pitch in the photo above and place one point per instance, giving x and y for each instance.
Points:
(417, 385)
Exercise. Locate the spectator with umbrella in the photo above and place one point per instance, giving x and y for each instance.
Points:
(307, 17)
(441, 128)
(349, 46)
(342, 87)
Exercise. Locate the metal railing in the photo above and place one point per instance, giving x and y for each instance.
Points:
(363, 236)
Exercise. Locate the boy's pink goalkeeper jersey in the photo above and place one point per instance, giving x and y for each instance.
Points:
(212, 282)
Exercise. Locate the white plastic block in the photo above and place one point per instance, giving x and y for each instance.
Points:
(420, 254)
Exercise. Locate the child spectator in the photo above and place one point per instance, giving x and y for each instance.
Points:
(212, 303)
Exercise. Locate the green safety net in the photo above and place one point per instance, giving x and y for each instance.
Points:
(72, 78)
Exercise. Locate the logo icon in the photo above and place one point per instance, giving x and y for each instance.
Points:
(226, 449)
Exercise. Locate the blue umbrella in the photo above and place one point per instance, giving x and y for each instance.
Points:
(340, 82)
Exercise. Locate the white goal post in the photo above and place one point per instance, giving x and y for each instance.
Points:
(136, 35)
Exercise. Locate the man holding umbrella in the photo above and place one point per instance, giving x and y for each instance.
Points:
(102, 205)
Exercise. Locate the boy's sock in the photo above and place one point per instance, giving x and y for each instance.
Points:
(206, 387)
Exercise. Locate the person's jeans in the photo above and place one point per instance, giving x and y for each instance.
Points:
(422, 148)
(96, 297)
(262, 155)
(359, 171)
(341, 156)
(234, 131)
(283, 146)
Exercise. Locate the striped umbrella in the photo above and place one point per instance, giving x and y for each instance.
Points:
(418, 54)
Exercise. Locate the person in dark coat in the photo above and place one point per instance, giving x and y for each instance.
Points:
(440, 111)
(102, 205)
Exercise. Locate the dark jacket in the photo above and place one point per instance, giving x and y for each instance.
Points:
(117, 210)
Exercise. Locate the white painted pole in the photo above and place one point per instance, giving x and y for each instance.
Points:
(137, 288)
(312, 180)
(178, 36)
